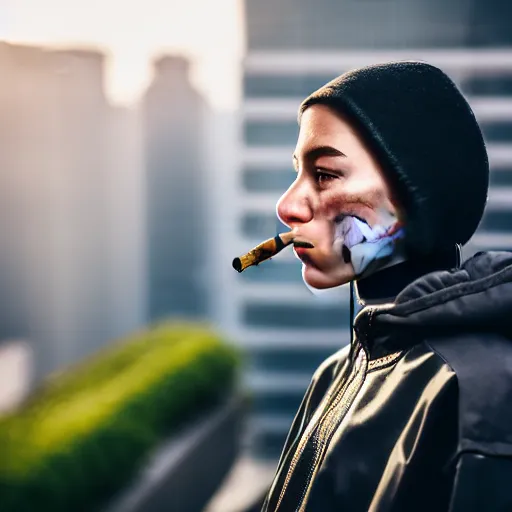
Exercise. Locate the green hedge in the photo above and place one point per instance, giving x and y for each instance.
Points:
(83, 434)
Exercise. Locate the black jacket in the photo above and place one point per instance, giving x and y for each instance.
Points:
(416, 414)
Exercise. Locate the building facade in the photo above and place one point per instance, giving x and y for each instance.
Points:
(60, 286)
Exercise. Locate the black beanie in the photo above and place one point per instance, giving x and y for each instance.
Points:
(428, 142)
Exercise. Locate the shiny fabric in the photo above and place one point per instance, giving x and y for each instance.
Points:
(416, 414)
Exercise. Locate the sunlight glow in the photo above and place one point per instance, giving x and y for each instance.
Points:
(133, 33)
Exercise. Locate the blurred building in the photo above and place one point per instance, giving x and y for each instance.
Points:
(175, 150)
(126, 237)
(295, 47)
(55, 204)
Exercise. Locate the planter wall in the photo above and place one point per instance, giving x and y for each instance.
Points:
(82, 436)
(183, 473)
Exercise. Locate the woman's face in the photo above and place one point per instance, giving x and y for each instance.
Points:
(337, 177)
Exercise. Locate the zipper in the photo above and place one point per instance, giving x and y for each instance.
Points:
(306, 436)
(324, 422)
(383, 361)
(333, 418)
(334, 407)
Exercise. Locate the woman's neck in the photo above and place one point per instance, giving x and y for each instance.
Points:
(383, 286)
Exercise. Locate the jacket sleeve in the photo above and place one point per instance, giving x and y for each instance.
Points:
(482, 484)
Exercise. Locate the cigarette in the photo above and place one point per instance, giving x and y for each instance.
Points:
(268, 249)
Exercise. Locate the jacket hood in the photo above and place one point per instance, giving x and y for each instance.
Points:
(477, 296)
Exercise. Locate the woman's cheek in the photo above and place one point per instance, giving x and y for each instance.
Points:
(358, 199)
(348, 205)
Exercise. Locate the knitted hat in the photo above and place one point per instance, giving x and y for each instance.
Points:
(428, 142)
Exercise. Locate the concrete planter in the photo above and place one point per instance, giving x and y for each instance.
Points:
(184, 472)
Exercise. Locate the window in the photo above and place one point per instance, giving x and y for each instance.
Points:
(261, 226)
(497, 220)
(488, 85)
(497, 131)
(292, 360)
(293, 316)
(271, 133)
(275, 86)
(501, 177)
(274, 271)
(278, 403)
(277, 180)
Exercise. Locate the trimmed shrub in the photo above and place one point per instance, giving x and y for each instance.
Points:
(84, 433)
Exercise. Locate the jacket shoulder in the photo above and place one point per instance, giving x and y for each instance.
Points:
(332, 365)
(482, 363)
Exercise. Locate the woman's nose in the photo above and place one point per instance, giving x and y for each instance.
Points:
(294, 206)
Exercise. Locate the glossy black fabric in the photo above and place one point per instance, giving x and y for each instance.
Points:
(425, 421)
(482, 484)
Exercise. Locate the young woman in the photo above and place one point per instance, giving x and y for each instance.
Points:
(416, 413)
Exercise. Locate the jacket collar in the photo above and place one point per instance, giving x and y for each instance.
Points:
(376, 294)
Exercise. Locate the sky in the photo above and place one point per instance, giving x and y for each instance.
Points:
(132, 32)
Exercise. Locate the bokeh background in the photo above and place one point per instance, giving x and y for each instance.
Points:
(144, 144)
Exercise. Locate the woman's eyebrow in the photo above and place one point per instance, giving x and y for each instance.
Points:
(318, 151)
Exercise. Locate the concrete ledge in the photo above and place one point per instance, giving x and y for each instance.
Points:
(246, 486)
(183, 473)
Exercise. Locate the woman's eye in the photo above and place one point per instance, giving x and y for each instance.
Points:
(323, 177)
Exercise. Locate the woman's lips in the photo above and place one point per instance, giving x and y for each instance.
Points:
(305, 256)
(301, 251)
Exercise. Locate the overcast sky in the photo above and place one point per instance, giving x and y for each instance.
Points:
(210, 31)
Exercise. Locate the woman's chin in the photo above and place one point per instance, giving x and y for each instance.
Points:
(320, 280)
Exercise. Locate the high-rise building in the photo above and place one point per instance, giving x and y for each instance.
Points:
(175, 149)
(54, 263)
(295, 47)
(126, 192)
